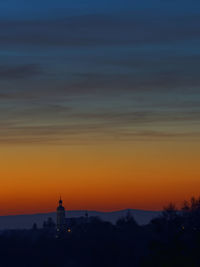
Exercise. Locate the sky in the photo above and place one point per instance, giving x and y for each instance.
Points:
(99, 103)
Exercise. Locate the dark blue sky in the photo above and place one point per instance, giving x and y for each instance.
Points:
(108, 69)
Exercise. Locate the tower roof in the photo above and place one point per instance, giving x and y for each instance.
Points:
(60, 206)
(60, 201)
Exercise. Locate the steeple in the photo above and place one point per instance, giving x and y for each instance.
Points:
(60, 201)
(61, 224)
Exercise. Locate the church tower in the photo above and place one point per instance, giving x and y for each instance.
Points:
(61, 224)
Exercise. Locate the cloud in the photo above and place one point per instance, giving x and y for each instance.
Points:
(63, 125)
(122, 76)
(101, 29)
(8, 72)
(140, 81)
(89, 134)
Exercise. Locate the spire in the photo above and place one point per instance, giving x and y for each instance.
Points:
(60, 201)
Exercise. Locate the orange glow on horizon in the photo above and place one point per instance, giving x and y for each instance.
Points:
(106, 177)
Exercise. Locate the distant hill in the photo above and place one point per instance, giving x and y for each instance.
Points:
(26, 221)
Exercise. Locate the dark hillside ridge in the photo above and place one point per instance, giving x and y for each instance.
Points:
(142, 217)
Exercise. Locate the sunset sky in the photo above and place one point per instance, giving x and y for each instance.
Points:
(99, 103)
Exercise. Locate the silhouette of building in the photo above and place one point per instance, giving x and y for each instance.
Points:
(61, 221)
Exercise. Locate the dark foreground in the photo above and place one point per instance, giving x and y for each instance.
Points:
(173, 239)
